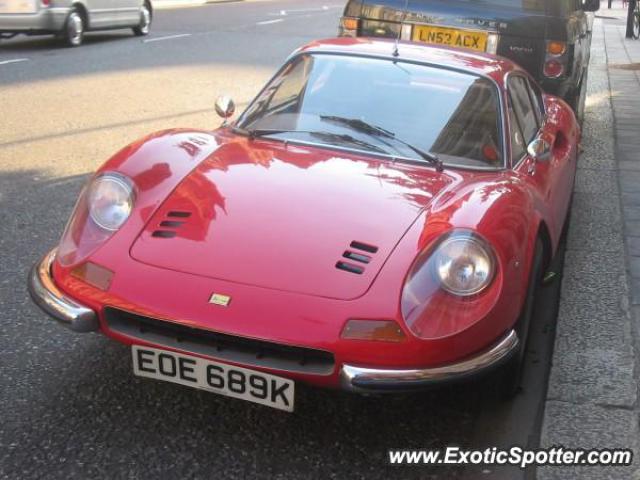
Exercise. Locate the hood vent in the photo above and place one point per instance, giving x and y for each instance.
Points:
(364, 247)
(356, 256)
(169, 226)
(178, 214)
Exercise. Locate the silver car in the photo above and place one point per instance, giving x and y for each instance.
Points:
(70, 19)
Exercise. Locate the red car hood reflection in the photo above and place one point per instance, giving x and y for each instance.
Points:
(281, 217)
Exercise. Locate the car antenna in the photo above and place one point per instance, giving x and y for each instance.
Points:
(396, 53)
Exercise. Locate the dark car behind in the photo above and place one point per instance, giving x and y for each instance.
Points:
(549, 38)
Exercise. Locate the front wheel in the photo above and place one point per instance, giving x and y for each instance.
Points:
(512, 371)
(74, 29)
(144, 26)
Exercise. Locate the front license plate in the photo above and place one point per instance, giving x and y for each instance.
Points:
(471, 39)
(237, 382)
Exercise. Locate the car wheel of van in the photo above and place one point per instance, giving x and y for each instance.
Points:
(74, 29)
(145, 21)
(512, 372)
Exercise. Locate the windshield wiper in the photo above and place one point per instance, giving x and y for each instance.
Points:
(374, 130)
(263, 132)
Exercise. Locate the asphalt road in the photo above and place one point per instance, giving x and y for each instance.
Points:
(69, 405)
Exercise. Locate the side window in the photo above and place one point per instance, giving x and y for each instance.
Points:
(517, 141)
(524, 109)
(536, 98)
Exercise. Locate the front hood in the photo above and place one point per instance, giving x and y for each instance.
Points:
(282, 217)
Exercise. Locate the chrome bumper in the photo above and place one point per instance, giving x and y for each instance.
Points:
(379, 380)
(51, 300)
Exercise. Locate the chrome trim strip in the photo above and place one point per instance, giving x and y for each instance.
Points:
(52, 301)
(373, 379)
(507, 95)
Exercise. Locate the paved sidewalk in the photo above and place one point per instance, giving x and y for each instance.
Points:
(592, 401)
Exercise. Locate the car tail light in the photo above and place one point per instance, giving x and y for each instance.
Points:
(373, 330)
(556, 59)
(556, 48)
(349, 26)
(553, 69)
(46, 3)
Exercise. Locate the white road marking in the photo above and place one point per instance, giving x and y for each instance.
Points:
(15, 60)
(269, 22)
(323, 8)
(168, 37)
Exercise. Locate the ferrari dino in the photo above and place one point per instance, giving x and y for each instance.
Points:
(379, 218)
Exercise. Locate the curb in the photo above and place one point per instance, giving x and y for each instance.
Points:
(592, 398)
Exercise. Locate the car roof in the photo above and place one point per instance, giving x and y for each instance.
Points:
(473, 62)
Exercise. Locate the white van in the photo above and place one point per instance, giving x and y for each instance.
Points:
(70, 19)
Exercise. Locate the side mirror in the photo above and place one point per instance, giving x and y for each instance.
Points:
(225, 107)
(590, 5)
(539, 149)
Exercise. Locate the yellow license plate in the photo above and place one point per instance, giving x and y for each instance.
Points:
(451, 37)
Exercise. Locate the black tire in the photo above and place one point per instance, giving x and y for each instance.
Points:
(74, 28)
(581, 99)
(512, 372)
(144, 27)
(577, 98)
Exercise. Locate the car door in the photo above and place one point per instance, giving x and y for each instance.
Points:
(130, 11)
(112, 13)
(551, 178)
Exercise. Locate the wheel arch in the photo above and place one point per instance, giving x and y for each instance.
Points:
(84, 12)
(544, 235)
(150, 5)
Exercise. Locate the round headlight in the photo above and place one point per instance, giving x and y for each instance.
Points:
(464, 265)
(110, 201)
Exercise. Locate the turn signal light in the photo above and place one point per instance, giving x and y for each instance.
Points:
(556, 48)
(350, 23)
(373, 330)
(94, 275)
(553, 69)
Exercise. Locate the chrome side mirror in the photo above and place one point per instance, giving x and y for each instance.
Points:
(539, 149)
(225, 107)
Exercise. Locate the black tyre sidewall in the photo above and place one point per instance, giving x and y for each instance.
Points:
(512, 373)
(65, 33)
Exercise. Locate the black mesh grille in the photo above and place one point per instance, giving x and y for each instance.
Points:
(222, 346)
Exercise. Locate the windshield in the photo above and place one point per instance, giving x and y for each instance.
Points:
(451, 114)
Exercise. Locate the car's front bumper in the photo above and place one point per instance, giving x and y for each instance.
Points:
(379, 380)
(51, 300)
(81, 318)
(46, 20)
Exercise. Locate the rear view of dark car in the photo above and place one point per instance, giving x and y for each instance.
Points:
(549, 38)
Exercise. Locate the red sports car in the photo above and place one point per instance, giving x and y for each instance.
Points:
(377, 219)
